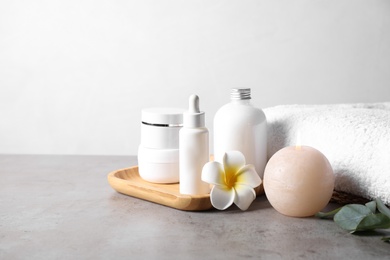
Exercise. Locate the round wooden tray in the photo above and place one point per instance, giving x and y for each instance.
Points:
(128, 181)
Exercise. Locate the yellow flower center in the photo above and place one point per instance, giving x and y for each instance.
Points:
(230, 178)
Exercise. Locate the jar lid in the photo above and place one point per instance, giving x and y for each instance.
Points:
(160, 116)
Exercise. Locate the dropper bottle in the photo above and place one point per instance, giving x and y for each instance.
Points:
(193, 150)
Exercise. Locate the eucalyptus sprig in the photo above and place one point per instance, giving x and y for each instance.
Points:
(355, 217)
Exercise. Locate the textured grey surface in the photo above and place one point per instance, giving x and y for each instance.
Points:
(62, 207)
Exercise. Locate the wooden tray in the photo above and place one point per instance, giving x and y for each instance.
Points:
(128, 181)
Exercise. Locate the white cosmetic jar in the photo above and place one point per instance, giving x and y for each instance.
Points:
(158, 153)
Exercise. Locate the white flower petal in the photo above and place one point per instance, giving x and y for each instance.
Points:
(222, 197)
(232, 162)
(245, 195)
(213, 173)
(247, 175)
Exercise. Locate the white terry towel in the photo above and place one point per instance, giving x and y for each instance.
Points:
(354, 137)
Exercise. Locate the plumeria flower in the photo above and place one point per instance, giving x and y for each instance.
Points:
(233, 181)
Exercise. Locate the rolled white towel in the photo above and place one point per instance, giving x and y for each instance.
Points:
(354, 137)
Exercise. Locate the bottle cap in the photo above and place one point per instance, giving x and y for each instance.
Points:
(240, 93)
(163, 116)
(193, 117)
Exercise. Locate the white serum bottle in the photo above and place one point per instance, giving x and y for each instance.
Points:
(193, 150)
(240, 126)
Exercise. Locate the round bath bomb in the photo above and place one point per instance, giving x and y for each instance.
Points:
(298, 181)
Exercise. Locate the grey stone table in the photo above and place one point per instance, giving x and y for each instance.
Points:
(62, 207)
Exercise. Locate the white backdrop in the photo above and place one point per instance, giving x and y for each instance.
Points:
(74, 75)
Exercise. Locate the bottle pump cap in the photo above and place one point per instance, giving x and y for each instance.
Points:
(193, 117)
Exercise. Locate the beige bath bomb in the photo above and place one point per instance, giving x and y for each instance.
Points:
(298, 181)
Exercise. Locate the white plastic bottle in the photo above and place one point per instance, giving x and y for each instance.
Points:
(193, 150)
(240, 126)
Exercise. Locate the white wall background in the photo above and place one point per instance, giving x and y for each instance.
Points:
(74, 75)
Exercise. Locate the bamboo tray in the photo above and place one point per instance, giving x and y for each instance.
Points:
(127, 181)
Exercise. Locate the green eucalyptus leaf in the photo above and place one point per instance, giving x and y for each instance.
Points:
(374, 221)
(329, 214)
(382, 208)
(386, 239)
(356, 217)
(372, 206)
(351, 215)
